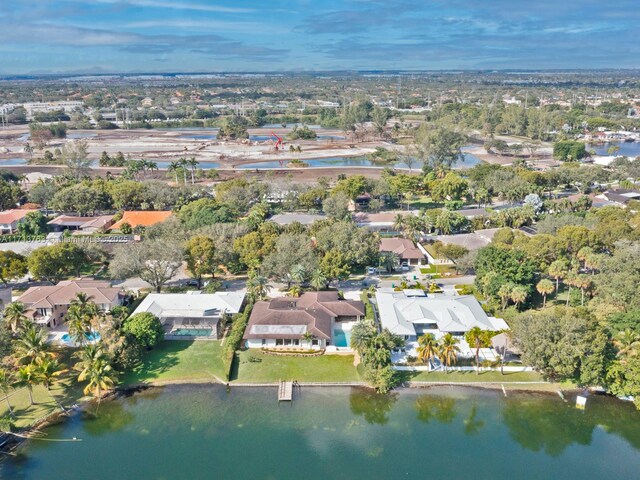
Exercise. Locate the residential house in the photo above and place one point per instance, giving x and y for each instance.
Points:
(141, 219)
(379, 222)
(412, 313)
(47, 305)
(620, 196)
(471, 241)
(9, 219)
(192, 314)
(285, 322)
(405, 249)
(83, 225)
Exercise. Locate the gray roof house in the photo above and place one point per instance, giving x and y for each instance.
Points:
(192, 314)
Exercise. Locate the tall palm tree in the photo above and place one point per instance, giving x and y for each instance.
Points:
(192, 163)
(79, 326)
(14, 315)
(183, 162)
(95, 368)
(399, 222)
(318, 280)
(361, 335)
(449, 350)
(298, 273)
(477, 338)
(427, 348)
(32, 344)
(519, 294)
(6, 383)
(544, 288)
(175, 168)
(28, 376)
(505, 294)
(558, 270)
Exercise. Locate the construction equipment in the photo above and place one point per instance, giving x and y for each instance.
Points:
(279, 142)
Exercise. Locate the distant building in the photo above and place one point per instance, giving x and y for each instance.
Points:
(283, 322)
(85, 225)
(9, 219)
(303, 218)
(141, 219)
(404, 248)
(66, 105)
(191, 314)
(48, 305)
(379, 222)
(620, 196)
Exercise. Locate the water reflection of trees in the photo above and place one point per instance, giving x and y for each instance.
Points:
(373, 406)
(547, 424)
(109, 417)
(433, 407)
(472, 424)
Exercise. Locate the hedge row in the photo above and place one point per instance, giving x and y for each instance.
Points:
(234, 340)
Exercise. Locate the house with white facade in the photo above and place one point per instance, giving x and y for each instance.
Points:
(413, 313)
(192, 314)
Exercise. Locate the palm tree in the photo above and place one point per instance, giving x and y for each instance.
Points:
(192, 163)
(627, 343)
(6, 383)
(14, 315)
(183, 165)
(298, 273)
(558, 270)
(258, 287)
(95, 368)
(308, 337)
(175, 168)
(361, 335)
(48, 370)
(318, 280)
(32, 344)
(544, 288)
(477, 338)
(295, 291)
(427, 348)
(399, 223)
(390, 261)
(449, 350)
(28, 377)
(505, 294)
(519, 295)
(583, 282)
(79, 326)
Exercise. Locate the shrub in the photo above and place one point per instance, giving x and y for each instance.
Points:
(145, 328)
(234, 339)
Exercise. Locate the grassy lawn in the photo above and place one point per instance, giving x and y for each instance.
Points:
(440, 270)
(175, 361)
(271, 368)
(66, 392)
(473, 377)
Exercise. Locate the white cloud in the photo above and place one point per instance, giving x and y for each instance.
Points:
(177, 5)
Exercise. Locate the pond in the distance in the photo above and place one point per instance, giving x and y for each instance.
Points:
(338, 433)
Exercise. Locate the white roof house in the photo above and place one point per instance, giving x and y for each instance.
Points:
(191, 304)
(411, 313)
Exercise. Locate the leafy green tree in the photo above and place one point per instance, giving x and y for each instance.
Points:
(81, 199)
(75, 156)
(336, 206)
(318, 280)
(200, 253)
(10, 194)
(451, 187)
(34, 223)
(204, 212)
(335, 266)
(54, 262)
(145, 327)
(233, 128)
(12, 266)
(290, 251)
(439, 146)
(257, 286)
(155, 261)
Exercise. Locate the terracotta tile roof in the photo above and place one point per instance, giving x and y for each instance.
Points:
(402, 246)
(10, 216)
(144, 219)
(313, 310)
(64, 292)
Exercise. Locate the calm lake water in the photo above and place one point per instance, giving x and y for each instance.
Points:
(203, 432)
(628, 149)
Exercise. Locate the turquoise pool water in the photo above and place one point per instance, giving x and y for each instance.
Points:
(93, 336)
(341, 338)
(192, 332)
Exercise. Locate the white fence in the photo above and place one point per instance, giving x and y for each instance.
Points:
(425, 368)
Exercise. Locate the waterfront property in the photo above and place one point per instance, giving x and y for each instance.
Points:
(382, 222)
(406, 250)
(141, 219)
(9, 219)
(192, 314)
(47, 305)
(312, 321)
(412, 313)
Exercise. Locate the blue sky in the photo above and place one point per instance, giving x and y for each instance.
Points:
(226, 35)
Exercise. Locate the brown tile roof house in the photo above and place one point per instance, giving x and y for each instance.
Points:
(283, 321)
(48, 304)
(84, 224)
(404, 247)
(9, 219)
(143, 219)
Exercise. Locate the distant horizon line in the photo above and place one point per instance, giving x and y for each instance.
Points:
(404, 71)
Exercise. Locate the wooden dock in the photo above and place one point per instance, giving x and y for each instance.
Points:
(285, 391)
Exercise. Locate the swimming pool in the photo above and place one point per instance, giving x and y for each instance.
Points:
(91, 337)
(341, 338)
(191, 332)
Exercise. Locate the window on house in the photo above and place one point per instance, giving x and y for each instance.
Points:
(296, 342)
(264, 342)
(287, 342)
(279, 342)
(314, 342)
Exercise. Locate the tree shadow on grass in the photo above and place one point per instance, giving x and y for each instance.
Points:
(157, 361)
